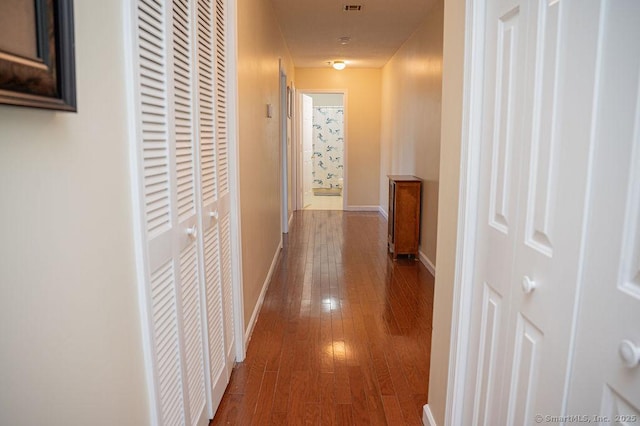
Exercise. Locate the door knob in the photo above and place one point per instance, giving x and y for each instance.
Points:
(192, 232)
(528, 285)
(629, 353)
(213, 214)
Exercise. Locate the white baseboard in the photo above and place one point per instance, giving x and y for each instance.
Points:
(383, 213)
(265, 286)
(427, 417)
(362, 208)
(427, 263)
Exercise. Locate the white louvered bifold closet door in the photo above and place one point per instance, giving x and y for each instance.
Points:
(187, 251)
(206, 51)
(191, 283)
(222, 141)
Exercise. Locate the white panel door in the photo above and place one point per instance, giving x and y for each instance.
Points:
(535, 151)
(551, 207)
(606, 371)
(307, 150)
(505, 42)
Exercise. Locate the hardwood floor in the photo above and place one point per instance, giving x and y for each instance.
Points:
(343, 336)
(325, 202)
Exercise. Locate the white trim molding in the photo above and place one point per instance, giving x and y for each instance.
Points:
(427, 263)
(263, 292)
(362, 208)
(284, 146)
(467, 219)
(427, 417)
(129, 16)
(382, 211)
(234, 179)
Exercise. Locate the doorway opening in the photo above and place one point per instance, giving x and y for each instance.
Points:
(285, 125)
(322, 151)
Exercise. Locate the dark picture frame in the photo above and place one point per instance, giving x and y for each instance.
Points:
(46, 79)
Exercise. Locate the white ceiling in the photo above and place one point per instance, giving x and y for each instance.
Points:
(312, 28)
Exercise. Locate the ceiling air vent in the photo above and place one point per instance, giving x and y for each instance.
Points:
(352, 7)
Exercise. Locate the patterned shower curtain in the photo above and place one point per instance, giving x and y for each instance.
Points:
(328, 147)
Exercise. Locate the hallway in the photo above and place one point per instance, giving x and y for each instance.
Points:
(343, 336)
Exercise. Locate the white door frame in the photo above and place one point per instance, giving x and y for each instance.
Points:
(293, 141)
(297, 151)
(467, 207)
(233, 137)
(284, 163)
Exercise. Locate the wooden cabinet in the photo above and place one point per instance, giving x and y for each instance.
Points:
(404, 215)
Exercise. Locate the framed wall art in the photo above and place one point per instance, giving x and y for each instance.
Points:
(37, 64)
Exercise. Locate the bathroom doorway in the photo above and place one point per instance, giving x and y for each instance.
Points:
(322, 151)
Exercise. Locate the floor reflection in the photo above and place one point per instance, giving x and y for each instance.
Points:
(344, 332)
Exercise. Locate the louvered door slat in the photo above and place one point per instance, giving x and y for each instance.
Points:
(221, 97)
(214, 304)
(183, 109)
(206, 101)
(192, 329)
(227, 291)
(166, 344)
(153, 111)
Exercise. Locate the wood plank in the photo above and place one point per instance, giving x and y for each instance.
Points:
(297, 400)
(343, 336)
(392, 410)
(265, 399)
(327, 398)
(344, 415)
(359, 405)
(229, 410)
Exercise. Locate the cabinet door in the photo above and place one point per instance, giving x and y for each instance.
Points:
(406, 217)
(392, 211)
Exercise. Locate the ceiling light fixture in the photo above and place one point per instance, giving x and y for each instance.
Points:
(339, 65)
(344, 40)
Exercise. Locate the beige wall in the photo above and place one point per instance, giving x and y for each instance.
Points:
(452, 92)
(363, 107)
(71, 347)
(260, 46)
(327, 99)
(411, 95)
